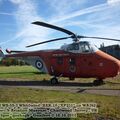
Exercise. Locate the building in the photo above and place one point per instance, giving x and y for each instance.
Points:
(113, 50)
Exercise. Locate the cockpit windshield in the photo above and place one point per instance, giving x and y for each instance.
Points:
(74, 46)
(80, 47)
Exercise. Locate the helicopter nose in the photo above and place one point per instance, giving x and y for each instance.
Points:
(119, 67)
(116, 67)
(112, 65)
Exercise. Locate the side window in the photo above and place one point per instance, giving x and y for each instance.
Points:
(76, 46)
(59, 60)
(72, 61)
(85, 48)
(73, 47)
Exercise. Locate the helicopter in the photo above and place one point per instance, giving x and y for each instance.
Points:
(79, 59)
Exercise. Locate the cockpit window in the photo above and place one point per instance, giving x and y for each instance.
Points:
(74, 46)
(80, 47)
(85, 48)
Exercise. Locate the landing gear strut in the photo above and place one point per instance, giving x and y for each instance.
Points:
(98, 82)
(54, 80)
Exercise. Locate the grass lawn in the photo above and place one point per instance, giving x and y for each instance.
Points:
(108, 106)
(21, 72)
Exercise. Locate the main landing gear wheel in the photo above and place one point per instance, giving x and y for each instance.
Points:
(98, 82)
(54, 80)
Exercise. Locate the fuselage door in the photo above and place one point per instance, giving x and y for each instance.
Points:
(57, 66)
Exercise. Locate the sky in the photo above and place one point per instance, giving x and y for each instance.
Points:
(83, 17)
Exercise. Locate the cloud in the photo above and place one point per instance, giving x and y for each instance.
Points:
(65, 6)
(81, 12)
(98, 20)
(17, 1)
(113, 2)
(105, 8)
(27, 33)
(4, 13)
(26, 13)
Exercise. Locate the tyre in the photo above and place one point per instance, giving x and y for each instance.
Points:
(98, 82)
(54, 80)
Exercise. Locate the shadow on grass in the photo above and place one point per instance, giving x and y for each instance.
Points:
(44, 83)
(22, 73)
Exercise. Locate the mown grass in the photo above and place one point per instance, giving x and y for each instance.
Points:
(108, 106)
(22, 73)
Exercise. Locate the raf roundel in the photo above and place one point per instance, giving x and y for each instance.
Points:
(39, 64)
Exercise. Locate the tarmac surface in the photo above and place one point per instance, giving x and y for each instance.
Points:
(67, 86)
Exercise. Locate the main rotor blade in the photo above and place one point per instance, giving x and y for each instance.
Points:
(98, 38)
(53, 27)
(57, 39)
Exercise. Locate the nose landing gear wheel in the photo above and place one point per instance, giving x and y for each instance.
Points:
(54, 80)
(98, 82)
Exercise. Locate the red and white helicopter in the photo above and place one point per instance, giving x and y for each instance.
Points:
(79, 59)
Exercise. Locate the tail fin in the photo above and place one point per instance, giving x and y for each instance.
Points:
(1, 54)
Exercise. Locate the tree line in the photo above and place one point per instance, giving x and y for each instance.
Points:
(11, 61)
